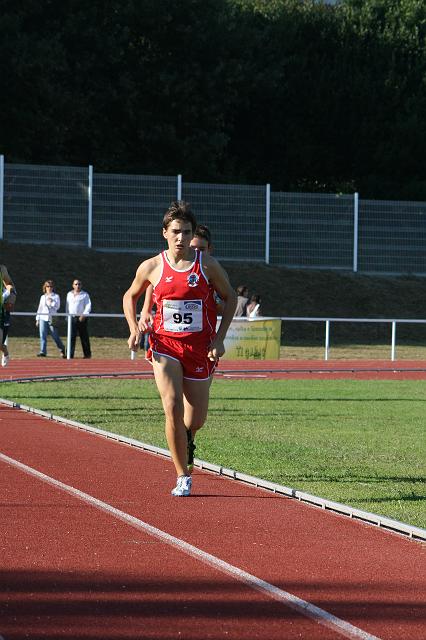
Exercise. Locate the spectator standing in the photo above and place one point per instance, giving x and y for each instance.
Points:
(4, 326)
(45, 318)
(79, 307)
(8, 298)
(242, 300)
(253, 307)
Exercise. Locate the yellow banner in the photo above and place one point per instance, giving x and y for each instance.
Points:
(253, 340)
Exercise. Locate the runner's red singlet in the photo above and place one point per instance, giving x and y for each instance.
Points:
(185, 322)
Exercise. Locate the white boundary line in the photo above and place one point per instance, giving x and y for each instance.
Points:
(388, 524)
(301, 606)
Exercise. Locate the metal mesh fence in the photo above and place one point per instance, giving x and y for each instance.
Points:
(392, 236)
(235, 215)
(311, 230)
(45, 204)
(50, 204)
(127, 211)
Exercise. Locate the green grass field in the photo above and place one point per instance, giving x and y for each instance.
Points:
(357, 442)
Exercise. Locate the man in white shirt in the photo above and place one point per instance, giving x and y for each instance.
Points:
(79, 306)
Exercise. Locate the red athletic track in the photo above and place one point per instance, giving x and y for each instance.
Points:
(69, 570)
(289, 369)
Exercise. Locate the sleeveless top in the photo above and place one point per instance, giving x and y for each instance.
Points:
(186, 308)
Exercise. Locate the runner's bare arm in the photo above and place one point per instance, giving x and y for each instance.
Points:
(145, 319)
(142, 279)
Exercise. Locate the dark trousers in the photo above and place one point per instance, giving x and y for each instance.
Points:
(80, 327)
(4, 323)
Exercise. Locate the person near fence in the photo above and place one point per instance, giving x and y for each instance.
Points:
(8, 299)
(79, 307)
(4, 326)
(242, 300)
(253, 307)
(184, 346)
(46, 319)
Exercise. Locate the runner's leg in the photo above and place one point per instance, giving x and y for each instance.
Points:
(196, 402)
(169, 379)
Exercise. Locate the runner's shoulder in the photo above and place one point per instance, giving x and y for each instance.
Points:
(149, 265)
(209, 261)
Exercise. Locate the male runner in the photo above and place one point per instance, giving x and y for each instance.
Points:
(184, 345)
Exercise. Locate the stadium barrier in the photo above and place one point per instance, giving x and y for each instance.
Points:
(260, 338)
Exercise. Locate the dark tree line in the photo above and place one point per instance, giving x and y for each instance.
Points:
(297, 93)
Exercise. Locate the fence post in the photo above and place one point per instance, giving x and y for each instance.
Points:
(179, 187)
(1, 195)
(69, 329)
(267, 222)
(393, 350)
(356, 218)
(90, 208)
(327, 339)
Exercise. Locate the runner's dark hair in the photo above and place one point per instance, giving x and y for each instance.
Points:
(202, 231)
(179, 210)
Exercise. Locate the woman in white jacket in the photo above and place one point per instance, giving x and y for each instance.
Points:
(45, 318)
(253, 307)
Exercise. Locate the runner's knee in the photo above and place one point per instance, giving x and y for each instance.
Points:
(194, 422)
(173, 408)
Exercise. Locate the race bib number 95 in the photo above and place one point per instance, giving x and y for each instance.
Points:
(183, 315)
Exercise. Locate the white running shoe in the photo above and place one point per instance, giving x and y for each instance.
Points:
(5, 360)
(183, 486)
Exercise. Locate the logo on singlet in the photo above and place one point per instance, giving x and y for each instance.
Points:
(192, 306)
(193, 279)
(169, 278)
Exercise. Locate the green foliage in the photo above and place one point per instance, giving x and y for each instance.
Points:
(303, 95)
(356, 442)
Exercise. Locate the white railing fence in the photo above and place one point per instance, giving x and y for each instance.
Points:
(327, 322)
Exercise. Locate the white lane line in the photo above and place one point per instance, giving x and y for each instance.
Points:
(301, 606)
